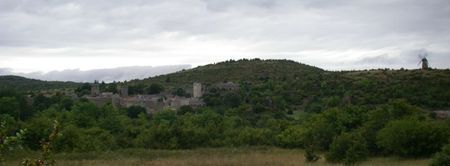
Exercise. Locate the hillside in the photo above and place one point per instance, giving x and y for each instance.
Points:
(301, 86)
(254, 70)
(278, 103)
(26, 84)
(286, 85)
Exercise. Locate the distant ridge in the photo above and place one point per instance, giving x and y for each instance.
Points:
(250, 70)
(26, 84)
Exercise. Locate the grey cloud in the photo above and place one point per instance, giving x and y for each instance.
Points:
(406, 59)
(267, 26)
(107, 75)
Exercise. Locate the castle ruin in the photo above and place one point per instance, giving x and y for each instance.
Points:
(152, 103)
(197, 90)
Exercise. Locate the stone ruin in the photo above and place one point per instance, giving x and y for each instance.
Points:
(152, 103)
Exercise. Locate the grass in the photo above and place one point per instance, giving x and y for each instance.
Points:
(202, 157)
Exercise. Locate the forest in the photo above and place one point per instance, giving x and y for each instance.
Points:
(341, 116)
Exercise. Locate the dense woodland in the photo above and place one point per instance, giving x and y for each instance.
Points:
(346, 115)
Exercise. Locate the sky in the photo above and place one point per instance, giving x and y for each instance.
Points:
(45, 36)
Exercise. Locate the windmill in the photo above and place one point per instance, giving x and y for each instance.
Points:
(423, 59)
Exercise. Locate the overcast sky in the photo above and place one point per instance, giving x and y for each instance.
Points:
(48, 35)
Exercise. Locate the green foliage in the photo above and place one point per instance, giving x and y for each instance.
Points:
(321, 129)
(346, 115)
(46, 157)
(292, 137)
(254, 136)
(185, 109)
(348, 148)
(232, 99)
(25, 84)
(84, 89)
(442, 158)
(179, 92)
(95, 139)
(9, 105)
(310, 154)
(411, 137)
(9, 143)
(134, 111)
(155, 89)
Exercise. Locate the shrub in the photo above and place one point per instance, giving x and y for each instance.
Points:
(134, 111)
(310, 155)
(254, 136)
(292, 137)
(442, 158)
(8, 143)
(348, 148)
(414, 138)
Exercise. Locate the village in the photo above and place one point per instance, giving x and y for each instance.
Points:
(155, 102)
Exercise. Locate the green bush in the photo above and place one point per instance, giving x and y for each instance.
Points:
(348, 148)
(292, 137)
(134, 111)
(410, 137)
(442, 158)
(95, 139)
(254, 136)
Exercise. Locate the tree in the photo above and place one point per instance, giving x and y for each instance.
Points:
(185, 109)
(41, 102)
(9, 105)
(292, 137)
(411, 137)
(155, 89)
(84, 89)
(442, 158)
(8, 143)
(232, 99)
(179, 92)
(348, 148)
(46, 157)
(134, 111)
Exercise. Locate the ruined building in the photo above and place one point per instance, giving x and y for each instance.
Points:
(95, 90)
(152, 103)
(123, 91)
(197, 90)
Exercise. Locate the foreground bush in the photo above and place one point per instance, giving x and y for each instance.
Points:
(442, 158)
(413, 138)
(292, 137)
(348, 148)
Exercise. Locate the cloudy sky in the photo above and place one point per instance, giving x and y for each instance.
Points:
(57, 35)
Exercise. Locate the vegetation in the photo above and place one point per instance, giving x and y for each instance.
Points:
(24, 84)
(9, 143)
(443, 157)
(348, 116)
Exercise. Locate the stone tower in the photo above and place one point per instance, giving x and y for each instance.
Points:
(95, 90)
(123, 91)
(424, 63)
(197, 90)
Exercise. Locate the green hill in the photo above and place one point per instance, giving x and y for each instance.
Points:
(26, 84)
(254, 70)
(296, 85)
(285, 85)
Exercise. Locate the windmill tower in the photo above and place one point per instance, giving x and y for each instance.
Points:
(423, 59)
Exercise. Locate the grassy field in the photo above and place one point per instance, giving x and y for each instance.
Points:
(201, 157)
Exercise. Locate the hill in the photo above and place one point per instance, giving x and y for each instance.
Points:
(306, 87)
(254, 70)
(348, 115)
(26, 84)
(285, 85)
